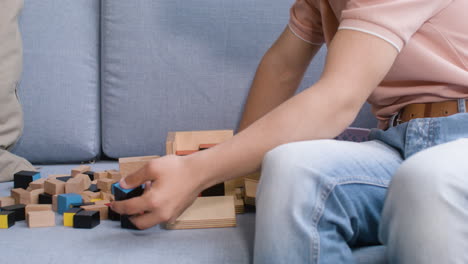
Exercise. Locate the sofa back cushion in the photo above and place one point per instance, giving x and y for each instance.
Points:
(59, 88)
(183, 65)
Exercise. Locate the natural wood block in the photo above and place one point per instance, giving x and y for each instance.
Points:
(239, 204)
(37, 184)
(103, 210)
(36, 207)
(85, 198)
(54, 186)
(6, 201)
(100, 175)
(114, 175)
(102, 202)
(130, 165)
(86, 181)
(105, 185)
(191, 140)
(74, 185)
(107, 196)
(92, 195)
(55, 202)
(21, 196)
(207, 212)
(34, 194)
(54, 176)
(80, 169)
(250, 191)
(231, 185)
(41, 219)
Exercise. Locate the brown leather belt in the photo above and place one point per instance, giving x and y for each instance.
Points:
(439, 109)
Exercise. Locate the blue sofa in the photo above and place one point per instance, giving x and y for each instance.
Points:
(108, 79)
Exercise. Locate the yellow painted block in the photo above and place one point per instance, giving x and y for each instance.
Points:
(68, 219)
(3, 221)
(95, 200)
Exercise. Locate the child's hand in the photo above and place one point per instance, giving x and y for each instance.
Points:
(175, 183)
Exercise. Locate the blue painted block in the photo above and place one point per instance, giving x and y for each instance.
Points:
(65, 201)
(124, 194)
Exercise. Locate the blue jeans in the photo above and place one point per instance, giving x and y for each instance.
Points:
(406, 188)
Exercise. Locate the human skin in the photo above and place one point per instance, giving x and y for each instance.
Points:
(356, 63)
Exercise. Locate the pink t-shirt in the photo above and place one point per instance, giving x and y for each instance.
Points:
(431, 37)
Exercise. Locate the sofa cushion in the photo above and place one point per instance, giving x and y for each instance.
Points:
(182, 65)
(109, 242)
(59, 88)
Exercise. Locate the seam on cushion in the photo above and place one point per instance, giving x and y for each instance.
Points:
(297, 35)
(449, 43)
(374, 34)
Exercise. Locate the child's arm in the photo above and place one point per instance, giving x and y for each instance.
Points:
(356, 63)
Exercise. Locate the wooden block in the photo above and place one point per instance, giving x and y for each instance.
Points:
(22, 179)
(92, 195)
(239, 204)
(74, 185)
(231, 185)
(21, 196)
(37, 184)
(107, 196)
(95, 181)
(36, 207)
(85, 198)
(54, 176)
(86, 219)
(80, 169)
(105, 185)
(45, 198)
(102, 208)
(100, 175)
(206, 146)
(250, 191)
(54, 186)
(114, 175)
(69, 215)
(191, 140)
(41, 219)
(207, 212)
(130, 165)
(19, 210)
(6, 201)
(55, 202)
(34, 195)
(7, 219)
(104, 202)
(86, 181)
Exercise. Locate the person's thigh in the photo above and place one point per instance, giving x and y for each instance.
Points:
(318, 198)
(426, 212)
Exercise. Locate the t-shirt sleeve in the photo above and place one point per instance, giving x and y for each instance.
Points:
(394, 21)
(306, 23)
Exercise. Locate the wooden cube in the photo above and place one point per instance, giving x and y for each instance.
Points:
(54, 186)
(36, 208)
(69, 215)
(38, 184)
(7, 219)
(6, 201)
(86, 219)
(21, 196)
(130, 165)
(80, 169)
(105, 185)
(100, 175)
(114, 175)
(41, 219)
(102, 208)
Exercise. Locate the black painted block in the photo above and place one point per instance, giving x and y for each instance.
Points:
(216, 190)
(9, 216)
(86, 219)
(126, 223)
(45, 198)
(19, 210)
(93, 188)
(113, 215)
(90, 175)
(22, 179)
(64, 179)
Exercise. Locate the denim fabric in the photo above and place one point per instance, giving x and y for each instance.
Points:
(319, 199)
